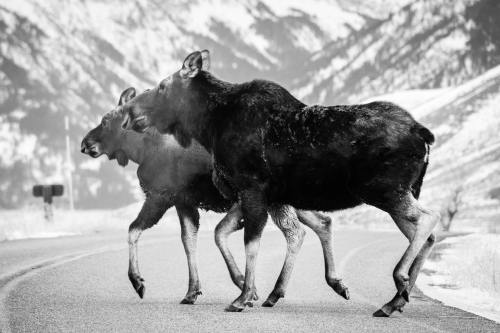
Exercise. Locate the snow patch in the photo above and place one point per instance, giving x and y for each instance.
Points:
(466, 274)
(328, 14)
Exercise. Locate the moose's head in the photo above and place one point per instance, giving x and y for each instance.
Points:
(164, 106)
(109, 137)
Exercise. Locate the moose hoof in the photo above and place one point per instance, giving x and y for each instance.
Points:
(189, 301)
(268, 303)
(233, 308)
(340, 288)
(272, 299)
(381, 313)
(138, 284)
(191, 298)
(396, 304)
(141, 291)
(386, 311)
(245, 299)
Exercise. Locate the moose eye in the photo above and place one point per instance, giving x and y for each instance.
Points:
(105, 123)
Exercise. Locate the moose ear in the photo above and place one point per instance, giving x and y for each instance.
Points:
(205, 58)
(126, 95)
(192, 65)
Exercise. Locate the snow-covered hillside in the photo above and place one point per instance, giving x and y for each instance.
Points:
(426, 44)
(463, 272)
(466, 156)
(73, 58)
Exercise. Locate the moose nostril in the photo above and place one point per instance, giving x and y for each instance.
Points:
(83, 146)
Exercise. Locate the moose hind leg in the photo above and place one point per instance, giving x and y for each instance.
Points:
(230, 223)
(398, 301)
(189, 219)
(322, 226)
(416, 223)
(286, 220)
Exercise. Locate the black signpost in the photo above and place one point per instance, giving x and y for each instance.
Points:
(48, 192)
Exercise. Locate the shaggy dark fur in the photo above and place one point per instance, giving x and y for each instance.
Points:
(312, 157)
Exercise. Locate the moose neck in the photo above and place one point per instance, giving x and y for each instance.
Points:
(138, 147)
(212, 94)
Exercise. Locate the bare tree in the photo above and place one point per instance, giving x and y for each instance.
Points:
(451, 208)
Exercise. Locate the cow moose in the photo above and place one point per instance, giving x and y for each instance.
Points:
(270, 148)
(173, 176)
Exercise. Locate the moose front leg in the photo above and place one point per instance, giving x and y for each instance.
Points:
(189, 218)
(254, 209)
(152, 210)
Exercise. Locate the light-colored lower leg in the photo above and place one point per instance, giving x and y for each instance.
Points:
(133, 261)
(229, 224)
(322, 226)
(398, 301)
(255, 216)
(286, 220)
(189, 220)
(152, 210)
(422, 221)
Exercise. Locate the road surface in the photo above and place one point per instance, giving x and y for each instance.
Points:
(80, 284)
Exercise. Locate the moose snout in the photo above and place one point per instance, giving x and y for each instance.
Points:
(84, 146)
(90, 148)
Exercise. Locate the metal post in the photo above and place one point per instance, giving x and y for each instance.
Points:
(48, 214)
(69, 165)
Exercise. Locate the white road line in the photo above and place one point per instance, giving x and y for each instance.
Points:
(11, 280)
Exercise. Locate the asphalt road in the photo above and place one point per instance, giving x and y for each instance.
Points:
(81, 284)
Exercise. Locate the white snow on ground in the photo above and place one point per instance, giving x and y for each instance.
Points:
(328, 15)
(466, 275)
(30, 222)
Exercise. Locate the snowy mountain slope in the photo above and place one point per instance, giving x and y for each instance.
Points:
(73, 58)
(427, 44)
